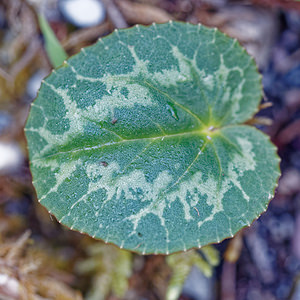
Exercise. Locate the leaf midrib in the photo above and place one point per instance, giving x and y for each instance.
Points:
(162, 137)
(176, 103)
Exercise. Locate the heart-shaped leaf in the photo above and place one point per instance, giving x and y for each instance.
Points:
(136, 140)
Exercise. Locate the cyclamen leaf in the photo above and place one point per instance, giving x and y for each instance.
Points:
(137, 139)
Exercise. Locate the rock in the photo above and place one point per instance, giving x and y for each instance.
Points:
(34, 83)
(10, 157)
(82, 13)
(198, 287)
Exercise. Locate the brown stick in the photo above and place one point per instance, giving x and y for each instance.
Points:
(114, 14)
(85, 35)
(142, 13)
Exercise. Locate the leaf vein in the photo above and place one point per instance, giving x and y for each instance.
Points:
(175, 102)
(195, 132)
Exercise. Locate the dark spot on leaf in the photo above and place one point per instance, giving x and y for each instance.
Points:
(104, 163)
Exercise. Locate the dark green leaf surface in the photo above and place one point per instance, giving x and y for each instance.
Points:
(136, 140)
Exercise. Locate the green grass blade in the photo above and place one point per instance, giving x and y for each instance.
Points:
(54, 49)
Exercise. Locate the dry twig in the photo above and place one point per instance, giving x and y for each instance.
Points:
(114, 14)
(84, 36)
(142, 13)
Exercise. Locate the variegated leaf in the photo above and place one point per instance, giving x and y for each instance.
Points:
(138, 141)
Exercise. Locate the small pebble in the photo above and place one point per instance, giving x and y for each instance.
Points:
(197, 286)
(10, 157)
(82, 13)
(34, 83)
